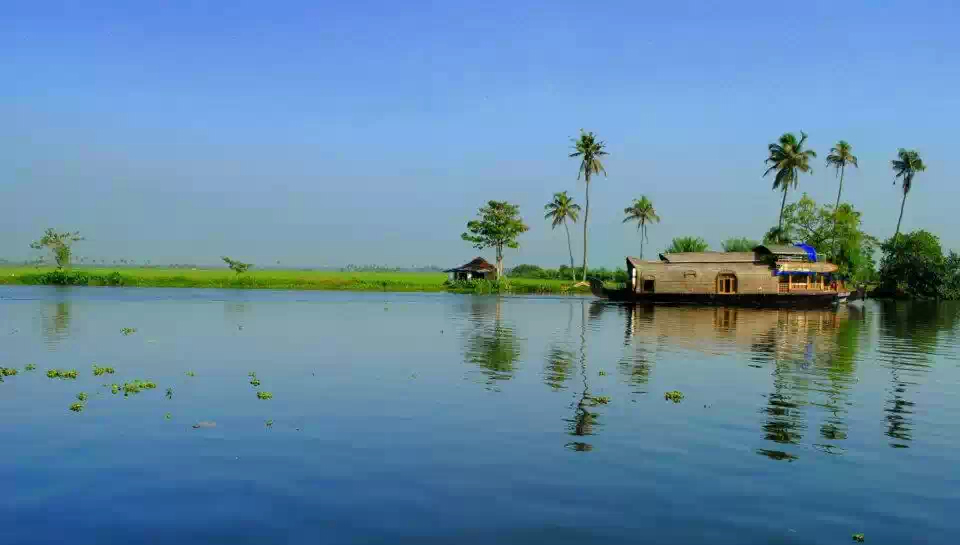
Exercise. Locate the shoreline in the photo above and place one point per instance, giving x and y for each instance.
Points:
(289, 280)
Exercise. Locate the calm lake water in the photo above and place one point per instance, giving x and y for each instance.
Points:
(439, 418)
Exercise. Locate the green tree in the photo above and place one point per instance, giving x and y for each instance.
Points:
(835, 234)
(59, 244)
(499, 225)
(589, 149)
(840, 156)
(913, 264)
(642, 212)
(788, 159)
(739, 244)
(687, 244)
(905, 166)
(236, 266)
(559, 210)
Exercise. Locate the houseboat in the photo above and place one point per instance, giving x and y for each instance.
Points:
(769, 276)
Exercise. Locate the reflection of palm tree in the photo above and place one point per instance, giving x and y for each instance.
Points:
(583, 421)
(557, 368)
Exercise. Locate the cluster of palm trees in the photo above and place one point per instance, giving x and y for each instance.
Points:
(788, 159)
(589, 149)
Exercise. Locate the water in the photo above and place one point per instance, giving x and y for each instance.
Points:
(437, 418)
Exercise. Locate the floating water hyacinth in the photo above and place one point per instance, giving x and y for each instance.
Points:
(128, 330)
(64, 374)
(859, 538)
(98, 371)
(674, 396)
(76, 407)
(82, 396)
(7, 372)
(601, 400)
(264, 395)
(30, 367)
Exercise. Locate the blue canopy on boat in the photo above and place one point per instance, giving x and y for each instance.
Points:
(811, 252)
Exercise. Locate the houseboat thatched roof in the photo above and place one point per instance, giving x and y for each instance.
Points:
(709, 257)
(780, 249)
(478, 264)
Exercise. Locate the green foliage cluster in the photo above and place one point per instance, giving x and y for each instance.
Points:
(128, 330)
(601, 400)
(914, 265)
(7, 372)
(77, 407)
(30, 367)
(739, 244)
(82, 396)
(60, 277)
(264, 395)
(63, 374)
(99, 371)
(687, 244)
(835, 233)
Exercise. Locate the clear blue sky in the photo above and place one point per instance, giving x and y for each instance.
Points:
(323, 133)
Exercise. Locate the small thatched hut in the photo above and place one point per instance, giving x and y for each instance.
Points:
(477, 269)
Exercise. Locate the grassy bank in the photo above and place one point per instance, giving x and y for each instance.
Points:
(269, 279)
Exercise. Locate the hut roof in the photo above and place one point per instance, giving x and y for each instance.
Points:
(477, 264)
(709, 257)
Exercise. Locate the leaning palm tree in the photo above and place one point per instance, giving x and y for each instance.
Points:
(788, 159)
(589, 150)
(907, 164)
(559, 210)
(642, 212)
(840, 156)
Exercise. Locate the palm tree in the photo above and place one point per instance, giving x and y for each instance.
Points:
(905, 166)
(589, 150)
(788, 159)
(642, 212)
(841, 156)
(559, 210)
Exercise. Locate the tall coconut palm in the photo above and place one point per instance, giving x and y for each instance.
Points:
(905, 166)
(788, 159)
(642, 212)
(840, 156)
(589, 149)
(559, 210)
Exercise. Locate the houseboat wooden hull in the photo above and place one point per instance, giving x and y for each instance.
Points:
(754, 300)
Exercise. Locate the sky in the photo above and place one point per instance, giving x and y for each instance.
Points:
(369, 132)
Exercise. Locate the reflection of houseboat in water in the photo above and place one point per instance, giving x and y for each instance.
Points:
(769, 276)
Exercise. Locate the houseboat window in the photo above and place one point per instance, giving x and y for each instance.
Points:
(727, 283)
(648, 285)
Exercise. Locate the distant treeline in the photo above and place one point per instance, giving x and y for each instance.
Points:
(385, 268)
(565, 272)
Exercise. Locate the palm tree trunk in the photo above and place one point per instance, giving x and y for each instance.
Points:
(643, 235)
(904, 201)
(836, 208)
(573, 270)
(586, 218)
(841, 188)
(783, 204)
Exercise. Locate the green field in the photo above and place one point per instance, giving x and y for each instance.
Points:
(273, 279)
